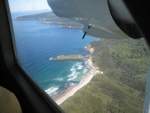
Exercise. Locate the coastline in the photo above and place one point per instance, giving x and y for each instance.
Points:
(86, 79)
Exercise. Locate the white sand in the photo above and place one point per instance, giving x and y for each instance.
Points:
(84, 81)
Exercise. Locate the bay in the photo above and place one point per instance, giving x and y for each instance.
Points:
(36, 43)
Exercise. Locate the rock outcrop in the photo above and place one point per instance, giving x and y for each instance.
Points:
(68, 57)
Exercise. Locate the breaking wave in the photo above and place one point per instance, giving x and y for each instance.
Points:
(51, 91)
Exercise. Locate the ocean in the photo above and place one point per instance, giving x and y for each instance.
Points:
(36, 43)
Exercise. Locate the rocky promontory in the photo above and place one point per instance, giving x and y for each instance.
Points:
(89, 48)
(68, 57)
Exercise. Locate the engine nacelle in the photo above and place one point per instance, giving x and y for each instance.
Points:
(101, 18)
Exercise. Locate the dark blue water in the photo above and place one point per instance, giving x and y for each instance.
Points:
(37, 43)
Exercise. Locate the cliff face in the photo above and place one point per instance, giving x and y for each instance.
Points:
(89, 48)
(69, 57)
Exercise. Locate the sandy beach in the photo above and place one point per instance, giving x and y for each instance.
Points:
(86, 79)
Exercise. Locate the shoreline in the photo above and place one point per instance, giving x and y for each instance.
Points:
(86, 79)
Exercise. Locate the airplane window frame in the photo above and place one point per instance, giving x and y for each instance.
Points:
(43, 102)
(40, 101)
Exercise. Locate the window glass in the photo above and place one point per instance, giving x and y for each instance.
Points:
(40, 39)
(52, 52)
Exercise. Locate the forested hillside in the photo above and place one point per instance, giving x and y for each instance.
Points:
(124, 60)
(121, 88)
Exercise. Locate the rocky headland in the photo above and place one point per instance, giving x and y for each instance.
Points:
(68, 57)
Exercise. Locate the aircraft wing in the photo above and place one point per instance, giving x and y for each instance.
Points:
(101, 18)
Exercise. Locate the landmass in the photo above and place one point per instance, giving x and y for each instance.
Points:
(69, 57)
(89, 48)
(51, 18)
(87, 78)
(121, 88)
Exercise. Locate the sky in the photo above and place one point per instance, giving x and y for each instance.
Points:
(28, 5)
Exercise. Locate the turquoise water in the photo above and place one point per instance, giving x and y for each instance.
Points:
(37, 42)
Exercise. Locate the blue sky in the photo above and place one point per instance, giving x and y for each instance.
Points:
(27, 5)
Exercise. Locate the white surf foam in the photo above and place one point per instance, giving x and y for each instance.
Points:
(85, 71)
(77, 64)
(51, 90)
(72, 84)
(80, 67)
(71, 69)
(73, 77)
(51, 58)
(58, 79)
(74, 74)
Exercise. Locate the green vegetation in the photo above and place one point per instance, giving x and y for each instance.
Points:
(121, 88)
(51, 18)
